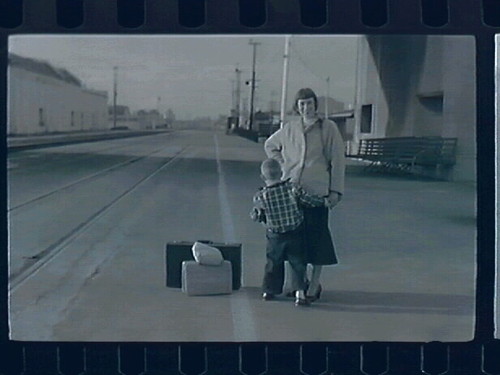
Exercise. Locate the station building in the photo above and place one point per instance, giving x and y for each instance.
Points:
(43, 99)
(418, 86)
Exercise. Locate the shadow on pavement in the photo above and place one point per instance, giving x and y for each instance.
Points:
(387, 302)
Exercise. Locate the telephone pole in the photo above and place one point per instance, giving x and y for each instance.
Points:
(327, 96)
(252, 92)
(158, 100)
(286, 57)
(233, 96)
(115, 93)
(238, 94)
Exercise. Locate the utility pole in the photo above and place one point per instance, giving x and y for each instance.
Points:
(115, 93)
(284, 81)
(327, 96)
(233, 97)
(238, 95)
(360, 82)
(158, 100)
(272, 102)
(252, 92)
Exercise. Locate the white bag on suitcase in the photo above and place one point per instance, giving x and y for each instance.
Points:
(205, 254)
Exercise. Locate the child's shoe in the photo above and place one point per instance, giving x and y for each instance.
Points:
(293, 292)
(300, 299)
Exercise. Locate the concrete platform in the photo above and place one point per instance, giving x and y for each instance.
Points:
(406, 248)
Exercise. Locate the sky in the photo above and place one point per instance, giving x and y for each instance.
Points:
(195, 75)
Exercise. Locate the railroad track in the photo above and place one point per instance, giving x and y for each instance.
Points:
(88, 177)
(46, 255)
(16, 155)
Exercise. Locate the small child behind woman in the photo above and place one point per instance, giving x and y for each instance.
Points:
(278, 207)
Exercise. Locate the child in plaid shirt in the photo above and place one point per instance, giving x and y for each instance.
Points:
(278, 207)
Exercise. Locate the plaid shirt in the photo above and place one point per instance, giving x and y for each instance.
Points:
(278, 206)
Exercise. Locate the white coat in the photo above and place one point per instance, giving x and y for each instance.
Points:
(313, 158)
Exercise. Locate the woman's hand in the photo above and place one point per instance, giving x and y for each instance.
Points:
(333, 199)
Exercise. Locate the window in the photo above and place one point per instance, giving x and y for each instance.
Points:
(72, 118)
(432, 104)
(428, 115)
(366, 118)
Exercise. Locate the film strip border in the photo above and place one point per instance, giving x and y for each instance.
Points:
(480, 18)
(251, 359)
(349, 16)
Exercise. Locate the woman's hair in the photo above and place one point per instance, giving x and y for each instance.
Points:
(304, 93)
(270, 169)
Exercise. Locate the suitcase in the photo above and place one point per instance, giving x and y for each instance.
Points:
(178, 251)
(203, 280)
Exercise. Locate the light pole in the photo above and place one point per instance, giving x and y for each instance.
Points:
(115, 84)
(284, 82)
(252, 92)
(327, 97)
(158, 100)
(238, 95)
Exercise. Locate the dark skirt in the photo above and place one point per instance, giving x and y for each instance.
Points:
(318, 239)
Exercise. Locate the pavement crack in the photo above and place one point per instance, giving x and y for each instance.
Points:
(94, 273)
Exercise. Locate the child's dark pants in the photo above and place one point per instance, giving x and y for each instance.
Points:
(281, 246)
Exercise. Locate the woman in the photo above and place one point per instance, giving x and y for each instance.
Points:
(312, 153)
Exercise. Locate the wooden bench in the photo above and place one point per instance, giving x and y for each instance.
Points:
(265, 129)
(405, 153)
(246, 133)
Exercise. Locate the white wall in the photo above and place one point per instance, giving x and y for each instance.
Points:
(369, 92)
(422, 86)
(28, 92)
(459, 118)
(131, 122)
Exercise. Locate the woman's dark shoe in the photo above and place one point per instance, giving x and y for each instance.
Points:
(316, 295)
(268, 296)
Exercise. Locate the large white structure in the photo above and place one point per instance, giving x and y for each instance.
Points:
(44, 99)
(150, 119)
(124, 119)
(419, 86)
